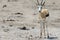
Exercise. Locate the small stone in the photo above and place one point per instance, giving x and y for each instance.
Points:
(3, 21)
(10, 20)
(10, 25)
(18, 13)
(34, 14)
(8, 0)
(3, 26)
(4, 6)
(23, 28)
(32, 27)
(5, 30)
(31, 36)
(53, 2)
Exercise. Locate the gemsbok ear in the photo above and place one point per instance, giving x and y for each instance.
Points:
(42, 2)
(38, 2)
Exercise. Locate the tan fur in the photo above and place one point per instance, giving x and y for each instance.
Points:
(43, 14)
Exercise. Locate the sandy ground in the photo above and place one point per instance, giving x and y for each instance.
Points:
(10, 30)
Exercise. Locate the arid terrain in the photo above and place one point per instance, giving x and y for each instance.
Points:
(15, 14)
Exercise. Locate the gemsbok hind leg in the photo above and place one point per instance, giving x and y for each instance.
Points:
(47, 35)
(41, 29)
(44, 29)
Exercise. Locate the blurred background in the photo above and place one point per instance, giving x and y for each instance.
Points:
(15, 14)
